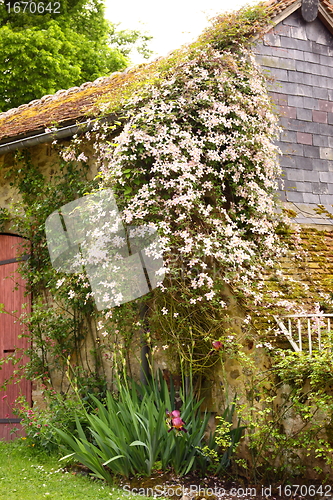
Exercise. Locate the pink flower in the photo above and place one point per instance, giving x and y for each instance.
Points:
(176, 422)
(5, 396)
(217, 344)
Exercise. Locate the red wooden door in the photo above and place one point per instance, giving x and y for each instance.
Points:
(12, 295)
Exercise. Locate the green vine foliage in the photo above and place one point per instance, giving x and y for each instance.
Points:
(288, 413)
(63, 317)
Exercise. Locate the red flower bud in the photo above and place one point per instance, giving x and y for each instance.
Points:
(217, 344)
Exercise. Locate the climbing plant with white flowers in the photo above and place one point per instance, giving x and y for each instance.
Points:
(196, 160)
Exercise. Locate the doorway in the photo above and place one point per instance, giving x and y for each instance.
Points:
(12, 344)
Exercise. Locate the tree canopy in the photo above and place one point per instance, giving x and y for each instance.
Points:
(62, 44)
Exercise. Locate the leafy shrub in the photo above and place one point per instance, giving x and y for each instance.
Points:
(60, 411)
(130, 433)
(40, 424)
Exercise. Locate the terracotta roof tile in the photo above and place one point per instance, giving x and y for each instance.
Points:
(275, 7)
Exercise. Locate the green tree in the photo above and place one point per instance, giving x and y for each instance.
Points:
(64, 44)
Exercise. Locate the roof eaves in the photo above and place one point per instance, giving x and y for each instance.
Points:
(279, 11)
(325, 13)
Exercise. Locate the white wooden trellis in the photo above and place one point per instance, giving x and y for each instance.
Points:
(307, 331)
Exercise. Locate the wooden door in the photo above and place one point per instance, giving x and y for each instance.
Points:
(12, 295)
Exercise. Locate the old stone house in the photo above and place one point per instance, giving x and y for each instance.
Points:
(298, 57)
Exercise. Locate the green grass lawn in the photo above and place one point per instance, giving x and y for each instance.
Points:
(28, 475)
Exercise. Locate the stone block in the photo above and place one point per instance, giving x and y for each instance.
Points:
(280, 98)
(304, 187)
(298, 32)
(292, 43)
(311, 127)
(296, 101)
(325, 105)
(321, 140)
(282, 196)
(304, 163)
(326, 71)
(329, 83)
(320, 93)
(280, 75)
(287, 88)
(261, 49)
(296, 149)
(298, 77)
(325, 129)
(292, 149)
(272, 39)
(315, 32)
(291, 124)
(319, 116)
(311, 176)
(282, 29)
(311, 198)
(294, 174)
(311, 151)
(311, 57)
(310, 103)
(290, 185)
(319, 81)
(294, 196)
(288, 136)
(308, 67)
(288, 111)
(292, 20)
(325, 60)
(304, 114)
(330, 191)
(320, 49)
(319, 188)
(277, 62)
(287, 161)
(273, 86)
(320, 165)
(302, 90)
(325, 199)
(297, 55)
(330, 118)
(303, 138)
(326, 153)
(285, 122)
(326, 177)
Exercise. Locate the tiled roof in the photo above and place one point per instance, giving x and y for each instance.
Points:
(62, 108)
(276, 7)
(77, 103)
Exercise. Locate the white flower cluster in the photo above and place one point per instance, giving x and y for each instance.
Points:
(196, 158)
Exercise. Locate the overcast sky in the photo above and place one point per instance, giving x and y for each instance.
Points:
(171, 22)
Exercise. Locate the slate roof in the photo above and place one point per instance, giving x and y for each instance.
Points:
(68, 106)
